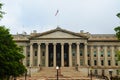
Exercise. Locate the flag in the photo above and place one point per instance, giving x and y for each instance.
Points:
(56, 13)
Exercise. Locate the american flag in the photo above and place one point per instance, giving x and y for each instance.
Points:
(56, 13)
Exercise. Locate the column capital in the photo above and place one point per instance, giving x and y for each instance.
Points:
(38, 43)
(46, 43)
(86, 43)
(70, 43)
(78, 43)
(62, 43)
(54, 43)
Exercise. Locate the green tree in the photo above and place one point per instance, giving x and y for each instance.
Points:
(117, 30)
(1, 12)
(10, 54)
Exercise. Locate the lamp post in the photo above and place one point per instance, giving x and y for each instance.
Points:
(30, 71)
(26, 75)
(111, 75)
(91, 73)
(88, 71)
(57, 68)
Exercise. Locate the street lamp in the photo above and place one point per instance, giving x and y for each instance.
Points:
(91, 73)
(30, 71)
(57, 68)
(88, 71)
(110, 72)
(26, 75)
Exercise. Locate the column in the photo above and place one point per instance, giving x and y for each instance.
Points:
(91, 56)
(62, 57)
(78, 54)
(25, 52)
(118, 61)
(113, 56)
(70, 54)
(31, 55)
(85, 55)
(98, 56)
(54, 54)
(105, 56)
(39, 54)
(46, 55)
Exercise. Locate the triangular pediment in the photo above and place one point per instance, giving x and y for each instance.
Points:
(58, 33)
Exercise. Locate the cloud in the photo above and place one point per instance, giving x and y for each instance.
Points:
(94, 16)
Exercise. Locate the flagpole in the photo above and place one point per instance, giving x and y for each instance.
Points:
(57, 18)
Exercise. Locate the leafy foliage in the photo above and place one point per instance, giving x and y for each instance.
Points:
(117, 30)
(1, 12)
(118, 15)
(10, 56)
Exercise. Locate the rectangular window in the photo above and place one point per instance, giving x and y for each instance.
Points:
(95, 62)
(94, 53)
(81, 62)
(43, 53)
(35, 53)
(109, 62)
(28, 54)
(117, 72)
(102, 62)
(96, 72)
(28, 62)
(108, 53)
(116, 63)
(89, 62)
(102, 53)
(81, 53)
(73, 54)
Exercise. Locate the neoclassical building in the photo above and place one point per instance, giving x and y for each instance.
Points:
(60, 47)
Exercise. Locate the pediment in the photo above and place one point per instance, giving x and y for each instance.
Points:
(58, 33)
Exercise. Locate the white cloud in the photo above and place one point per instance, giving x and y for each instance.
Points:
(94, 16)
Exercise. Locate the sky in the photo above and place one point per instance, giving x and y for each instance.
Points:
(93, 16)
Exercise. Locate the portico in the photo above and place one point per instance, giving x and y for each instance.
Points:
(56, 53)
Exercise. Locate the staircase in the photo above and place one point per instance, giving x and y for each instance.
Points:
(49, 73)
(66, 72)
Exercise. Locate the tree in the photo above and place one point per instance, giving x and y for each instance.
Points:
(1, 12)
(117, 30)
(10, 54)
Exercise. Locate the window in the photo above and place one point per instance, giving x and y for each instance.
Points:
(81, 62)
(94, 53)
(73, 54)
(43, 53)
(116, 63)
(117, 72)
(102, 62)
(28, 62)
(81, 53)
(102, 53)
(96, 72)
(109, 62)
(88, 55)
(89, 62)
(103, 72)
(95, 62)
(108, 53)
(35, 53)
(28, 54)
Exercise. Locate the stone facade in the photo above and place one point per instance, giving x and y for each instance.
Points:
(60, 47)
